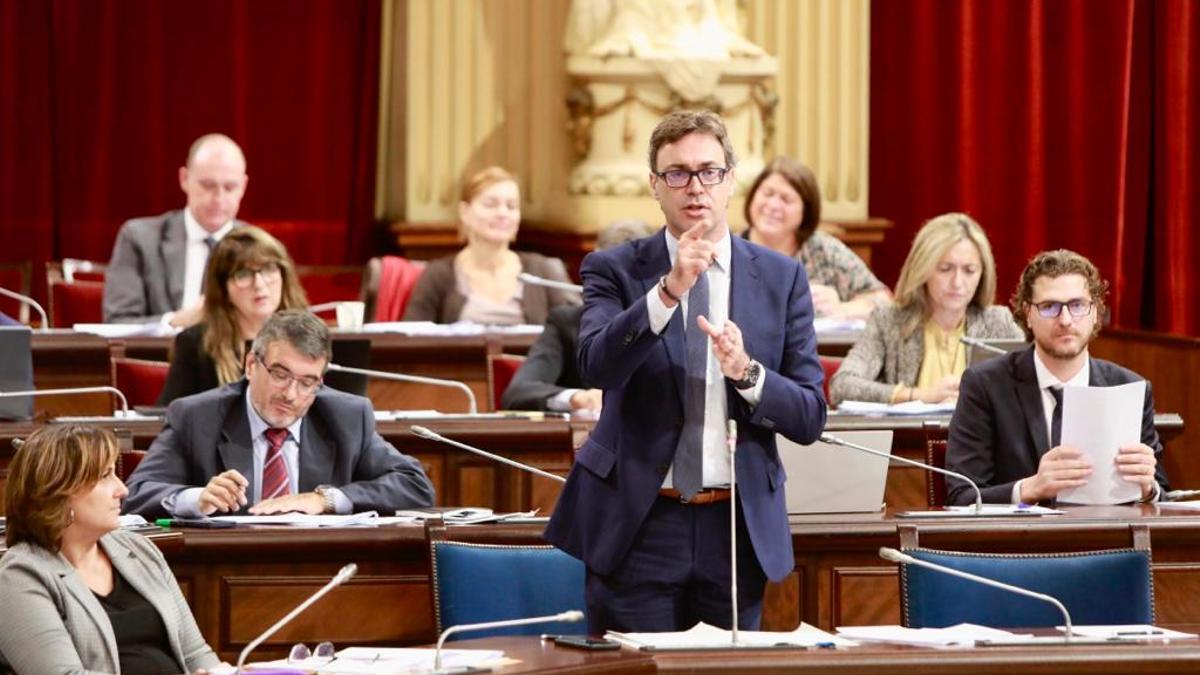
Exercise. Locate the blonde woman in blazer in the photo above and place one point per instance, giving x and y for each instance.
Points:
(67, 560)
(946, 289)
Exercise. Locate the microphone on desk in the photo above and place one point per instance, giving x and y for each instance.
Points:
(26, 300)
(423, 432)
(982, 344)
(123, 412)
(338, 579)
(835, 440)
(895, 556)
(549, 283)
(569, 616)
(419, 379)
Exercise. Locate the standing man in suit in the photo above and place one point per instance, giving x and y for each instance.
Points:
(684, 330)
(276, 441)
(157, 268)
(1005, 433)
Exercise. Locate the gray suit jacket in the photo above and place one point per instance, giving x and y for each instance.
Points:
(881, 359)
(209, 433)
(144, 279)
(52, 623)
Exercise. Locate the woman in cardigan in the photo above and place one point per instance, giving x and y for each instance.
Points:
(480, 283)
(783, 209)
(912, 351)
(249, 277)
(80, 595)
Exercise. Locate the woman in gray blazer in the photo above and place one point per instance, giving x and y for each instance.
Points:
(911, 351)
(78, 594)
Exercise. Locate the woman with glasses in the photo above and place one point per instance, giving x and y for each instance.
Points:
(249, 277)
(480, 283)
(78, 594)
(783, 209)
(912, 350)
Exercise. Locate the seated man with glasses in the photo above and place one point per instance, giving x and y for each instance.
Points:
(275, 441)
(1005, 433)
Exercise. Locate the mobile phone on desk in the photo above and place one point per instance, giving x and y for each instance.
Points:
(585, 642)
(203, 523)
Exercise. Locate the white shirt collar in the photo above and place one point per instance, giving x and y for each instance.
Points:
(1047, 379)
(258, 425)
(196, 232)
(724, 249)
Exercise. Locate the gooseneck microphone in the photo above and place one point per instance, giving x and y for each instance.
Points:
(834, 440)
(26, 300)
(895, 556)
(124, 412)
(981, 344)
(419, 379)
(731, 433)
(549, 283)
(338, 579)
(569, 616)
(424, 432)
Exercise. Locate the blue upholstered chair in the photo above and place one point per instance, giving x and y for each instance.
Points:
(475, 583)
(1107, 587)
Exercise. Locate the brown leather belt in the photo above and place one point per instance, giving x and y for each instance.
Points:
(706, 496)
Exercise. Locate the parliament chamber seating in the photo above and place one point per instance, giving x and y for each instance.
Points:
(501, 368)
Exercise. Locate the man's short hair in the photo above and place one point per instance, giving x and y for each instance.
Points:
(680, 123)
(1054, 264)
(299, 328)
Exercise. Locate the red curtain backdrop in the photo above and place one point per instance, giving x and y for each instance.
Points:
(1070, 123)
(102, 100)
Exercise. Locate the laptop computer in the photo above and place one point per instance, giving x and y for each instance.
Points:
(823, 478)
(16, 372)
(979, 354)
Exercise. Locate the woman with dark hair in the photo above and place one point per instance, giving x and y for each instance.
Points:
(783, 209)
(249, 277)
(481, 283)
(78, 594)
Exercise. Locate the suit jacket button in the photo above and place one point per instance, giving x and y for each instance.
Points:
(629, 337)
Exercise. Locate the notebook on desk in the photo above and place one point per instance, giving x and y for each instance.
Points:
(823, 478)
(977, 354)
(16, 372)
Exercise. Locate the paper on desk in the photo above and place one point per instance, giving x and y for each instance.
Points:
(1098, 420)
(1180, 505)
(825, 325)
(396, 659)
(705, 636)
(988, 511)
(906, 408)
(961, 634)
(123, 330)
(1130, 631)
(462, 328)
(306, 520)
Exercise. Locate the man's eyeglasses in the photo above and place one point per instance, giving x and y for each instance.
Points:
(677, 178)
(282, 377)
(1052, 308)
(244, 277)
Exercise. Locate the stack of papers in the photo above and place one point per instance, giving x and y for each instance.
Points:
(469, 516)
(988, 511)
(429, 328)
(906, 408)
(704, 636)
(378, 660)
(962, 634)
(1130, 632)
(364, 519)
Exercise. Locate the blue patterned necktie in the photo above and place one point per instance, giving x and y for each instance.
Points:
(687, 475)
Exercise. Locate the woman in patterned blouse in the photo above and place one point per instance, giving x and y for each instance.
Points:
(783, 209)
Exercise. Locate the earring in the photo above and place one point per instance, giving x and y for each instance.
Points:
(70, 516)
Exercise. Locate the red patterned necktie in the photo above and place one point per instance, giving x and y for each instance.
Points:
(275, 473)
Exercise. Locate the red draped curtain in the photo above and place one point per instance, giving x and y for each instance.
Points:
(1065, 123)
(102, 99)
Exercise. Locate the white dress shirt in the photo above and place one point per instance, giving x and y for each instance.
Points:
(196, 257)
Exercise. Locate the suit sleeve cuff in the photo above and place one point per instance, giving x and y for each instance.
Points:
(561, 402)
(659, 313)
(341, 503)
(1016, 492)
(754, 394)
(184, 504)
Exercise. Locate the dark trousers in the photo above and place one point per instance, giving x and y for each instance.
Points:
(677, 573)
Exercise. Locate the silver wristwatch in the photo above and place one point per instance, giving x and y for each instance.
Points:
(326, 493)
(751, 377)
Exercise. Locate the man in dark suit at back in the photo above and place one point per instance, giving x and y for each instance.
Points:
(683, 331)
(1005, 433)
(276, 441)
(157, 266)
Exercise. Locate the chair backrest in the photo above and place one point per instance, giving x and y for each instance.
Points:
(500, 371)
(1106, 587)
(127, 458)
(329, 283)
(77, 269)
(140, 380)
(830, 365)
(80, 302)
(387, 285)
(935, 483)
(16, 277)
(474, 583)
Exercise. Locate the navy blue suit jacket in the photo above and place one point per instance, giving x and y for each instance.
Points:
(619, 470)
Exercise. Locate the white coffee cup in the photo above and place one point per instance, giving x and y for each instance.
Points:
(350, 315)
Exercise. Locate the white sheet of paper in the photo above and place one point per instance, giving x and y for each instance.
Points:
(306, 520)
(1098, 420)
(1131, 631)
(705, 636)
(963, 633)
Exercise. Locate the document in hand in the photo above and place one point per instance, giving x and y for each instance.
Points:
(1098, 421)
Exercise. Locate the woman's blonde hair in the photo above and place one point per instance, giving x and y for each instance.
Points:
(55, 462)
(937, 236)
(243, 247)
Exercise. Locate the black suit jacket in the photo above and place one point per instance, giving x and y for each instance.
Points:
(192, 370)
(550, 367)
(209, 433)
(998, 433)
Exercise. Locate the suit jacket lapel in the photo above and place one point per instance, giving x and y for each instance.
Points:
(235, 447)
(138, 576)
(83, 595)
(1029, 394)
(653, 262)
(174, 256)
(316, 453)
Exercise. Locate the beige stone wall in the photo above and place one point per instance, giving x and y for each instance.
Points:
(468, 83)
